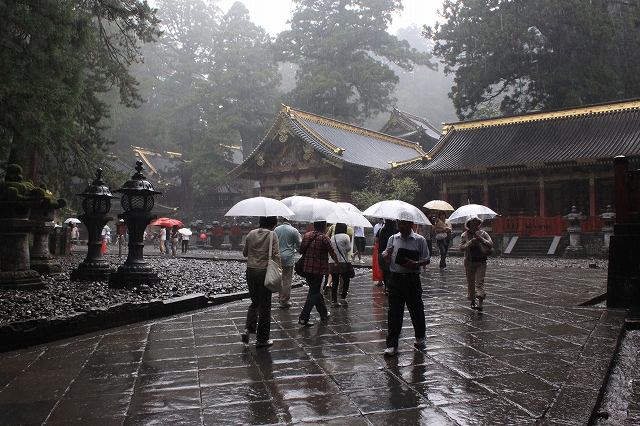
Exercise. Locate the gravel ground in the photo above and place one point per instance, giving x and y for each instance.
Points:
(179, 277)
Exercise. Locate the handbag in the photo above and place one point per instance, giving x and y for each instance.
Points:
(442, 236)
(486, 250)
(350, 269)
(273, 277)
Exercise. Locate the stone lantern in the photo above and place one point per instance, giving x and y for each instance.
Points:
(609, 218)
(138, 198)
(17, 198)
(574, 229)
(96, 205)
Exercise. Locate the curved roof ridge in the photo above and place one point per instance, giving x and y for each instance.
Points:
(609, 107)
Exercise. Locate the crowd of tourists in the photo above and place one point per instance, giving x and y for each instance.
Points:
(402, 250)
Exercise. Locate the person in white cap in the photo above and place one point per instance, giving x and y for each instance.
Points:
(476, 245)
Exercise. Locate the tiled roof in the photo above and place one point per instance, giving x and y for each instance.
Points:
(411, 127)
(585, 134)
(339, 141)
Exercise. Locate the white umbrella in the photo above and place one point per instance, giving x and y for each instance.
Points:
(465, 212)
(439, 205)
(185, 231)
(349, 207)
(357, 219)
(289, 201)
(73, 220)
(396, 209)
(260, 206)
(318, 209)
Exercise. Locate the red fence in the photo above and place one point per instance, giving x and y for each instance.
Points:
(541, 226)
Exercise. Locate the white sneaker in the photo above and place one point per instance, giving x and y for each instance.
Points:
(344, 302)
(390, 351)
(361, 261)
(420, 343)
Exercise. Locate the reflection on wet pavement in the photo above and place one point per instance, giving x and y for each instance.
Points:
(533, 355)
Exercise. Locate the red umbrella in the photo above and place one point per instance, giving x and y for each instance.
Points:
(166, 221)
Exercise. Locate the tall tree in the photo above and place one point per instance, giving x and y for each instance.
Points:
(56, 58)
(526, 54)
(337, 46)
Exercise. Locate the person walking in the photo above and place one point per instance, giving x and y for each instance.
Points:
(376, 272)
(341, 244)
(360, 242)
(289, 239)
(475, 243)
(256, 250)
(407, 253)
(174, 240)
(316, 249)
(75, 235)
(185, 243)
(162, 237)
(384, 234)
(442, 230)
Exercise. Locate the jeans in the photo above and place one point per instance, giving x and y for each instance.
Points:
(314, 298)
(405, 289)
(259, 312)
(443, 246)
(335, 278)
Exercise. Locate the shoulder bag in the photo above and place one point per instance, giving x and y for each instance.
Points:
(297, 267)
(273, 277)
(350, 269)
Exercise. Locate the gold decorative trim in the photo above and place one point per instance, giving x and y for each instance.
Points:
(539, 116)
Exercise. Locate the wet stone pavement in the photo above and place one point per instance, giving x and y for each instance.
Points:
(533, 357)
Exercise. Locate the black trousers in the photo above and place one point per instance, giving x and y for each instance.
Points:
(405, 289)
(259, 312)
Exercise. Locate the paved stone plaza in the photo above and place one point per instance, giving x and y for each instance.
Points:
(535, 356)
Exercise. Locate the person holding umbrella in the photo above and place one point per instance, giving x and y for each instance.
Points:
(475, 243)
(442, 230)
(407, 253)
(256, 250)
(316, 248)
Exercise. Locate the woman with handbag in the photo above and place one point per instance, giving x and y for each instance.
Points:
(341, 244)
(256, 250)
(477, 246)
(442, 230)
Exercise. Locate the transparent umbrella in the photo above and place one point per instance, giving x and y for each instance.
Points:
(318, 209)
(260, 206)
(465, 212)
(397, 210)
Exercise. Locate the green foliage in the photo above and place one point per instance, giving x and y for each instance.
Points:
(380, 185)
(537, 54)
(339, 49)
(16, 189)
(56, 58)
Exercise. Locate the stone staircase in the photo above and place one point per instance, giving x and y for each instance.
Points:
(532, 247)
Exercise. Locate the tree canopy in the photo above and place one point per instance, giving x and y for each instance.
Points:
(56, 58)
(339, 47)
(530, 55)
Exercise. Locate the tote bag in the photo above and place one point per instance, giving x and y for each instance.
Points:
(273, 277)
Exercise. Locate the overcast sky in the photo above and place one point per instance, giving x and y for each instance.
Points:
(272, 15)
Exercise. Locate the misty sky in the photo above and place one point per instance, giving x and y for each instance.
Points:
(272, 15)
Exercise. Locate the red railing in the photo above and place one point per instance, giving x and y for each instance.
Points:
(541, 226)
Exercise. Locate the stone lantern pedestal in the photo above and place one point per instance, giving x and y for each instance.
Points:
(137, 202)
(41, 259)
(575, 248)
(15, 265)
(609, 218)
(96, 206)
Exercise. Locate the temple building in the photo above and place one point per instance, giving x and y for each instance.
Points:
(532, 168)
(306, 154)
(533, 165)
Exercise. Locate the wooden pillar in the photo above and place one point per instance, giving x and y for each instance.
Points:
(592, 195)
(543, 204)
(485, 190)
(443, 194)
